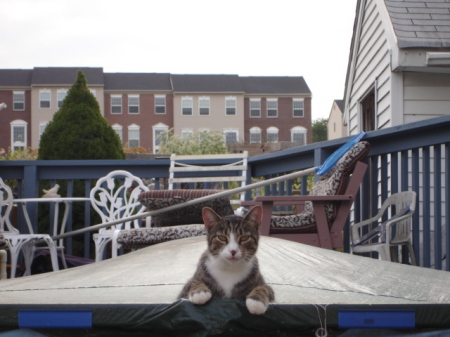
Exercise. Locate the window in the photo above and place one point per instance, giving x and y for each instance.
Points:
(272, 135)
(186, 132)
(186, 106)
(18, 101)
(160, 104)
(60, 96)
(158, 129)
(116, 104)
(368, 111)
(133, 136)
(272, 108)
(118, 129)
(231, 136)
(297, 106)
(18, 135)
(230, 106)
(42, 127)
(203, 106)
(255, 108)
(298, 135)
(255, 135)
(44, 99)
(133, 104)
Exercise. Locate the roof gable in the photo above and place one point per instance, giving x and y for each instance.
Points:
(66, 76)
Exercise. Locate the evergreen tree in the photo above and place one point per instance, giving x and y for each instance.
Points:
(78, 130)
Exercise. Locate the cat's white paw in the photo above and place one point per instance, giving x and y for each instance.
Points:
(201, 297)
(255, 307)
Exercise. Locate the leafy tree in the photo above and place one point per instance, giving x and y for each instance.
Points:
(198, 142)
(319, 130)
(78, 130)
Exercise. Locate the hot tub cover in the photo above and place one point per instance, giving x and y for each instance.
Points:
(312, 286)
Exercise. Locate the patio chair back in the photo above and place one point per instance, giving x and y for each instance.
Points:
(113, 197)
(182, 170)
(388, 229)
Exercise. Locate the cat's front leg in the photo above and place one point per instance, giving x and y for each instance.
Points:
(199, 293)
(258, 300)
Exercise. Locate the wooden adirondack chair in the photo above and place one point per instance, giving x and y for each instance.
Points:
(326, 208)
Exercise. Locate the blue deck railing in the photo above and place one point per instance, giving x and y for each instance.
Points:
(413, 156)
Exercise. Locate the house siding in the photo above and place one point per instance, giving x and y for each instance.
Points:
(426, 95)
(371, 70)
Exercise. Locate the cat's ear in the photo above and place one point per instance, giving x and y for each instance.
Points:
(254, 216)
(210, 217)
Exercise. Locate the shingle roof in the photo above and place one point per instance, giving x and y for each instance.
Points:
(275, 85)
(206, 83)
(15, 77)
(137, 81)
(420, 24)
(66, 75)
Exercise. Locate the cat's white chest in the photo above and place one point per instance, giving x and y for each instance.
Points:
(228, 275)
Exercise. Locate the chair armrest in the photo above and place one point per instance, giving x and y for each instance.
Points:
(296, 198)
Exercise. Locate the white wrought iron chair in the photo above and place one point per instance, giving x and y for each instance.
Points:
(373, 235)
(113, 200)
(21, 242)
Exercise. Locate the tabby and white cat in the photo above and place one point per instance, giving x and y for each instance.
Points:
(229, 267)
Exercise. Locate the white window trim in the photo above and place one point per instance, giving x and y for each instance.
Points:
(236, 131)
(60, 91)
(158, 127)
(44, 91)
(138, 105)
(250, 107)
(134, 127)
(42, 127)
(121, 104)
(267, 107)
(255, 130)
(119, 130)
(14, 101)
(185, 99)
(234, 99)
(205, 99)
(293, 108)
(186, 132)
(298, 130)
(272, 130)
(159, 105)
(19, 124)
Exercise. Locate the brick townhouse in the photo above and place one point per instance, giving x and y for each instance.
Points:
(139, 106)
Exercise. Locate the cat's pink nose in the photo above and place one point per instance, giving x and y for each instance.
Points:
(233, 252)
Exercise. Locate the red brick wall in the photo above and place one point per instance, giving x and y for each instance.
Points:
(284, 122)
(145, 119)
(8, 115)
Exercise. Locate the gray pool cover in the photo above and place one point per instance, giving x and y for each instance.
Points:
(314, 288)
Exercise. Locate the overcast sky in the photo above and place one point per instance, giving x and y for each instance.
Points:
(309, 38)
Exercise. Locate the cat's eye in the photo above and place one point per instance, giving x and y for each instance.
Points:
(222, 238)
(245, 238)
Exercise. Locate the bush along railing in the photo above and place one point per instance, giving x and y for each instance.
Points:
(413, 156)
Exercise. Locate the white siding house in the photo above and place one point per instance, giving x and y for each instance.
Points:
(399, 65)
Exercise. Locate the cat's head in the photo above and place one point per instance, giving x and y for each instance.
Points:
(233, 238)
